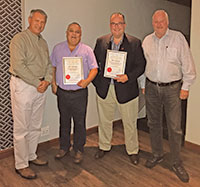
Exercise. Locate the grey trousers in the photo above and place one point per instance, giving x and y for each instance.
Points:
(165, 99)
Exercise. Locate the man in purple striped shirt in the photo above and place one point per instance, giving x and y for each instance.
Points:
(72, 98)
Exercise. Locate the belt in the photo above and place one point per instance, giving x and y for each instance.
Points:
(15, 76)
(163, 84)
(72, 91)
(41, 79)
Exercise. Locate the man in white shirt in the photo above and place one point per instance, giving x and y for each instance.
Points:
(169, 73)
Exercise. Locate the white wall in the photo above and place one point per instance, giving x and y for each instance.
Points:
(193, 124)
(93, 16)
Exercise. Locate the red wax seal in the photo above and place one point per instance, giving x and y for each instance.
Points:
(109, 69)
(67, 76)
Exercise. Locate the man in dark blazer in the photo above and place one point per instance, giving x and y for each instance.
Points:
(120, 91)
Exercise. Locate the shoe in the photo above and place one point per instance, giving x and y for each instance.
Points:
(61, 154)
(39, 162)
(153, 161)
(181, 173)
(134, 159)
(78, 157)
(26, 173)
(100, 154)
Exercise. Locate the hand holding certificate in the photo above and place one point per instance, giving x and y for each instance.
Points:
(72, 70)
(115, 63)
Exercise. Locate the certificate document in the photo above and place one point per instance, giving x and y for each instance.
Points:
(72, 70)
(115, 63)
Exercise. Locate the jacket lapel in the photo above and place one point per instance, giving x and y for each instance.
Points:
(124, 44)
(108, 42)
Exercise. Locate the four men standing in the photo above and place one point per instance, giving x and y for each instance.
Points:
(169, 73)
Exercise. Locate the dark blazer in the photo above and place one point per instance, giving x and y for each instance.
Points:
(135, 66)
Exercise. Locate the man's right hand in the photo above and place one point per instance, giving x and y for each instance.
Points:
(54, 88)
(143, 90)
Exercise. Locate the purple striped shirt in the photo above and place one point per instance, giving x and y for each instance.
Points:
(62, 50)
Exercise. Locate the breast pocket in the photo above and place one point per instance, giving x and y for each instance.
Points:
(171, 54)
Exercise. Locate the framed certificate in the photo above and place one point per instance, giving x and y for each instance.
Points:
(72, 70)
(115, 63)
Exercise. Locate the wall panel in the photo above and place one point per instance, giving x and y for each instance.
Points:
(10, 24)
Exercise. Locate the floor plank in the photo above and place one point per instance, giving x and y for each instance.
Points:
(114, 170)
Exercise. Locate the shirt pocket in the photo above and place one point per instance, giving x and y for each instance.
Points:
(171, 54)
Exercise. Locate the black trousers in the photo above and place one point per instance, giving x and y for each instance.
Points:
(72, 105)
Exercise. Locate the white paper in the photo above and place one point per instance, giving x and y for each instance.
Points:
(115, 63)
(72, 70)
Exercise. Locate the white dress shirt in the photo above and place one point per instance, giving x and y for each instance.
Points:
(168, 59)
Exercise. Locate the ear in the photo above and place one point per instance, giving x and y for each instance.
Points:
(29, 20)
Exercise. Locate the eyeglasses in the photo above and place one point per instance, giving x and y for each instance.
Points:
(117, 24)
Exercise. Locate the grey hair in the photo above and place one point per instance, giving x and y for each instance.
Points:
(73, 23)
(39, 11)
(163, 11)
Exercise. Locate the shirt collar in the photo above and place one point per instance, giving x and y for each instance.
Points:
(36, 37)
(166, 34)
(75, 47)
(112, 40)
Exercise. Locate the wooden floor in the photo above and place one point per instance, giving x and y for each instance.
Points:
(114, 170)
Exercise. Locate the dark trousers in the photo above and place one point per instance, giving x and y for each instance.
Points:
(72, 105)
(165, 99)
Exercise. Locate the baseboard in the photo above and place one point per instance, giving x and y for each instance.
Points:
(55, 141)
(192, 147)
(8, 152)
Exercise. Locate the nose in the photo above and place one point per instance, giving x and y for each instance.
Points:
(73, 33)
(40, 24)
(159, 24)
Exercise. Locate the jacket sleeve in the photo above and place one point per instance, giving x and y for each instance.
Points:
(97, 52)
(139, 62)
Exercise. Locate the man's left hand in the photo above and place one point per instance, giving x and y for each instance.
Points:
(43, 86)
(184, 94)
(121, 78)
(83, 83)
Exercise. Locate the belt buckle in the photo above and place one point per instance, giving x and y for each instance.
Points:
(158, 83)
(41, 79)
